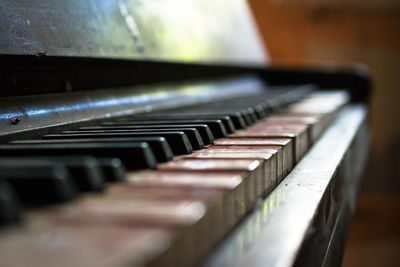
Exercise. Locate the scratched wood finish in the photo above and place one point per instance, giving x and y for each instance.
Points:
(174, 30)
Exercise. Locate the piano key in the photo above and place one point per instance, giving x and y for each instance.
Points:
(260, 109)
(323, 119)
(278, 164)
(208, 230)
(302, 133)
(90, 173)
(177, 140)
(270, 107)
(113, 168)
(232, 183)
(299, 134)
(187, 217)
(158, 145)
(237, 114)
(253, 113)
(9, 203)
(285, 143)
(248, 117)
(130, 211)
(260, 112)
(212, 198)
(192, 134)
(203, 129)
(50, 244)
(252, 168)
(315, 123)
(38, 181)
(240, 117)
(183, 117)
(264, 183)
(133, 155)
(237, 118)
(85, 170)
(333, 101)
(249, 112)
(218, 107)
(219, 127)
(244, 104)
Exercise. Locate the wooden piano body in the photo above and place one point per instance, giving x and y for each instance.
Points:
(70, 64)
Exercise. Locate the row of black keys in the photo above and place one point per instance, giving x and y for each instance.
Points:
(56, 173)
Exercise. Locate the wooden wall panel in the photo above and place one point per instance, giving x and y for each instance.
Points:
(298, 32)
(301, 32)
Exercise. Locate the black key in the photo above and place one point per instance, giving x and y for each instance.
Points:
(252, 114)
(287, 95)
(192, 134)
(229, 108)
(9, 203)
(247, 118)
(235, 117)
(203, 129)
(272, 106)
(216, 126)
(259, 111)
(89, 173)
(255, 109)
(226, 120)
(178, 141)
(85, 170)
(240, 119)
(186, 118)
(113, 168)
(158, 145)
(248, 114)
(244, 110)
(133, 155)
(38, 181)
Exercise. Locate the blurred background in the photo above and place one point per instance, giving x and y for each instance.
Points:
(298, 32)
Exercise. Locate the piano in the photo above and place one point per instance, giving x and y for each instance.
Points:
(157, 133)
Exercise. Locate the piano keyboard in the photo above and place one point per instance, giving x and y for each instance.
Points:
(154, 189)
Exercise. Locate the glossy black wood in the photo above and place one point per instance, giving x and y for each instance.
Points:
(134, 155)
(178, 141)
(159, 145)
(9, 203)
(192, 134)
(203, 129)
(38, 181)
